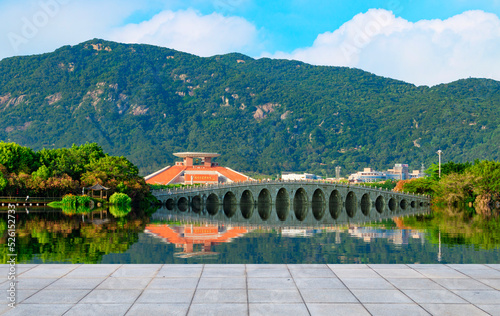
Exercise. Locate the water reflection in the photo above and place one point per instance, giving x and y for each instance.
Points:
(254, 233)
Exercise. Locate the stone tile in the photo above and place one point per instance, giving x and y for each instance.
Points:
(381, 296)
(133, 272)
(434, 296)
(368, 283)
(166, 296)
(271, 284)
(173, 283)
(100, 271)
(467, 266)
(494, 266)
(278, 309)
(485, 273)
(389, 266)
(220, 296)
(395, 309)
(400, 273)
(492, 309)
(355, 273)
(223, 273)
(158, 309)
(328, 296)
(74, 284)
(34, 283)
(312, 273)
(222, 283)
(224, 266)
(218, 309)
(24, 294)
(111, 297)
(415, 284)
(480, 296)
(174, 272)
(453, 309)
(348, 266)
(56, 297)
(48, 271)
(324, 309)
(98, 309)
(442, 272)
(268, 273)
(39, 309)
(317, 283)
(266, 266)
(427, 266)
(494, 283)
(306, 266)
(462, 284)
(124, 284)
(274, 296)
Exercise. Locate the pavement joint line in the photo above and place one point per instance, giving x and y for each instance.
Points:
(104, 279)
(300, 293)
(246, 285)
(349, 289)
(56, 279)
(195, 289)
(142, 292)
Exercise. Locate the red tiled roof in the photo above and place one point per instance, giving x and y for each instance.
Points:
(231, 174)
(166, 176)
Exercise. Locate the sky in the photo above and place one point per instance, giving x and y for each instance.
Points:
(424, 42)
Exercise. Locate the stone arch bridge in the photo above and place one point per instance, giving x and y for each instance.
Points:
(293, 202)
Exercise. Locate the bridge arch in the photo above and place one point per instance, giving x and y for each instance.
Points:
(196, 204)
(170, 204)
(183, 204)
(335, 204)
(264, 204)
(403, 204)
(392, 204)
(212, 204)
(247, 204)
(229, 204)
(300, 204)
(351, 204)
(282, 204)
(366, 204)
(380, 204)
(413, 204)
(318, 204)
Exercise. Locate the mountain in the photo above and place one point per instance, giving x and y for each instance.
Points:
(262, 115)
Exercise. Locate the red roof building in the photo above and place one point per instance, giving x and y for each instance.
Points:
(187, 172)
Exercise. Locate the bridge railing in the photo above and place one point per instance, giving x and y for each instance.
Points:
(271, 182)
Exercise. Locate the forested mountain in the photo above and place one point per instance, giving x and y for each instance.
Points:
(262, 115)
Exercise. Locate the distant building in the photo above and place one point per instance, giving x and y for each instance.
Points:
(187, 172)
(399, 172)
(367, 175)
(299, 177)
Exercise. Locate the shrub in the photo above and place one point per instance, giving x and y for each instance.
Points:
(120, 199)
(69, 200)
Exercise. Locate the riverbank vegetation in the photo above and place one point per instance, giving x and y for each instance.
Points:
(57, 172)
(475, 186)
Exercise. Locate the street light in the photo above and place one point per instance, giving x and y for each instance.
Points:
(439, 152)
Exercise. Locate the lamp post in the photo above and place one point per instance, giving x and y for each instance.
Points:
(439, 152)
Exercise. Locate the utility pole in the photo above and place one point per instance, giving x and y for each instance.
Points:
(439, 152)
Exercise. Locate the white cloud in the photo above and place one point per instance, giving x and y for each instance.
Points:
(427, 52)
(189, 31)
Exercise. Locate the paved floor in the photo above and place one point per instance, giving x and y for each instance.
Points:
(253, 290)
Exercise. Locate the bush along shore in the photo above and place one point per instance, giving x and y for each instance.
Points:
(63, 171)
(474, 187)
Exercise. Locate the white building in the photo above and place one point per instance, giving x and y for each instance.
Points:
(367, 175)
(299, 177)
(399, 172)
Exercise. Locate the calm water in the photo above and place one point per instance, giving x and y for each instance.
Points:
(144, 236)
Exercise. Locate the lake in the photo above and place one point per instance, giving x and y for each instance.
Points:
(171, 236)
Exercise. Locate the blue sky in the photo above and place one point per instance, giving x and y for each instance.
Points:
(419, 41)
